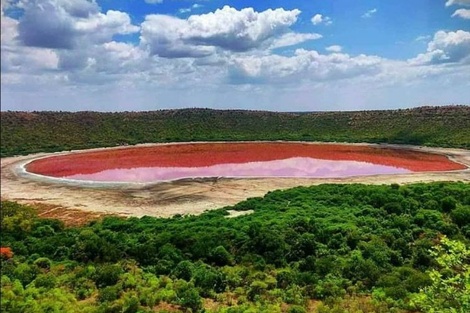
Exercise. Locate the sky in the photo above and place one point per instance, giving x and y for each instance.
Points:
(297, 55)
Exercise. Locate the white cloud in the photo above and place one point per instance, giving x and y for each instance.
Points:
(65, 24)
(320, 19)
(226, 29)
(153, 1)
(458, 2)
(165, 36)
(423, 38)
(106, 25)
(317, 19)
(290, 39)
(68, 35)
(369, 13)
(9, 29)
(28, 60)
(334, 48)
(463, 13)
(304, 65)
(20, 59)
(191, 8)
(446, 47)
(184, 10)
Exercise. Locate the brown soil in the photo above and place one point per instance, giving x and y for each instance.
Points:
(70, 217)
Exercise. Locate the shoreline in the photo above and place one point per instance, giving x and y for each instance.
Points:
(188, 196)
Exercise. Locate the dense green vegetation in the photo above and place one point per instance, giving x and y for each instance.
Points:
(23, 133)
(327, 248)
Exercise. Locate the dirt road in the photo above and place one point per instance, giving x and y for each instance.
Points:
(189, 196)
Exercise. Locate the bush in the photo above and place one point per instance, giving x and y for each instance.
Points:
(461, 216)
(220, 256)
(108, 294)
(448, 204)
(25, 273)
(107, 275)
(184, 270)
(189, 298)
(47, 281)
(43, 263)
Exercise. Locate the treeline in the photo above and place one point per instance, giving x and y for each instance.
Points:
(328, 248)
(29, 132)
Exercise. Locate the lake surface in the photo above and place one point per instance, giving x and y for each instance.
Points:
(176, 161)
(293, 167)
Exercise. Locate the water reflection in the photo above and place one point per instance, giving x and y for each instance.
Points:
(292, 167)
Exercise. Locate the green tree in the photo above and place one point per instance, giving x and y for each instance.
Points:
(461, 216)
(450, 288)
(107, 275)
(16, 218)
(448, 204)
(25, 273)
(188, 296)
(184, 270)
(220, 256)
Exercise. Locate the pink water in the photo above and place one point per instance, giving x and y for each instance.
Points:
(291, 167)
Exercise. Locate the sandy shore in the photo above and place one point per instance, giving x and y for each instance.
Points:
(189, 196)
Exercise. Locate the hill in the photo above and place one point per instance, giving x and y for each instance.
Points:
(29, 132)
(326, 249)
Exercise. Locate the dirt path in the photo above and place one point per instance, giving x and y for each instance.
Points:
(190, 196)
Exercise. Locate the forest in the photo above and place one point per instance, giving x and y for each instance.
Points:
(327, 248)
(31, 132)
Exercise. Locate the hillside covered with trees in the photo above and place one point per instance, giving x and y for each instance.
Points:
(328, 248)
(30, 132)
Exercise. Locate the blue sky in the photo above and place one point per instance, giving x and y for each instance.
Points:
(109, 55)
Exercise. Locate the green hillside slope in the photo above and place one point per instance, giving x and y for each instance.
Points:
(28, 132)
(345, 248)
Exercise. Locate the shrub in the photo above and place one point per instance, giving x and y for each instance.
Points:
(43, 263)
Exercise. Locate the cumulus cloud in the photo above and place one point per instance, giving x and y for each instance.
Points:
(317, 19)
(304, 65)
(320, 19)
(102, 27)
(79, 8)
(165, 36)
(18, 59)
(463, 13)
(111, 58)
(446, 47)
(458, 2)
(46, 25)
(9, 29)
(334, 48)
(89, 55)
(226, 28)
(369, 13)
(63, 24)
(291, 39)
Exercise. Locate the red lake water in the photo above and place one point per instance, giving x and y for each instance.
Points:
(293, 167)
(177, 161)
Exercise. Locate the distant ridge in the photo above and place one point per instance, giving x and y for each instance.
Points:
(30, 132)
(388, 110)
